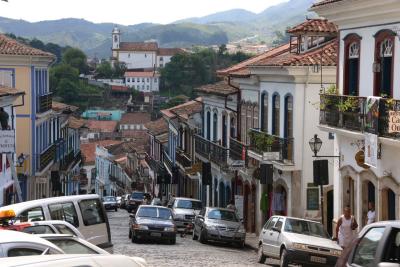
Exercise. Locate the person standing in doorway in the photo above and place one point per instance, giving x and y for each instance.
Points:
(345, 228)
(371, 215)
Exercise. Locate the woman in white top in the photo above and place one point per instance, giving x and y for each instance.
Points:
(371, 215)
(345, 227)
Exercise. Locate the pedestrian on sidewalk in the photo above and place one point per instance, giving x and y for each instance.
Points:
(231, 205)
(371, 215)
(345, 228)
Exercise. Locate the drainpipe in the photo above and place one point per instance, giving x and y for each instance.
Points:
(238, 112)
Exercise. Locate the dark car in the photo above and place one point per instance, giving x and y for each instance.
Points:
(378, 244)
(152, 223)
(136, 199)
(110, 203)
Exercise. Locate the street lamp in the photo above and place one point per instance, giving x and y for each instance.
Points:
(21, 159)
(315, 144)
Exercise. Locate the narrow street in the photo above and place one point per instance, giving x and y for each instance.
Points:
(186, 252)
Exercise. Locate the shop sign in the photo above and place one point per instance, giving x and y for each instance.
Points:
(271, 156)
(237, 165)
(360, 159)
(7, 141)
(394, 122)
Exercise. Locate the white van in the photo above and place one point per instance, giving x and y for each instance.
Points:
(85, 212)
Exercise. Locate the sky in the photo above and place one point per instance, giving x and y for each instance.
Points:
(125, 12)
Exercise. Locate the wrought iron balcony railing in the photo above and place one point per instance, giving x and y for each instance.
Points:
(261, 143)
(167, 160)
(46, 157)
(183, 159)
(212, 151)
(45, 102)
(237, 150)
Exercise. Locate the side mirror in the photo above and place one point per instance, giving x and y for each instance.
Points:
(388, 264)
(276, 229)
(169, 206)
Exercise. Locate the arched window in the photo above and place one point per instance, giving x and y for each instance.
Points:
(288, 116)
(208, 136)
(224, 130)
(352, 64)
(264, 112)
(256, 123)
(276, 114)
(243, 126)
(215, 127)
(384, 50)
(249, 121)
(233, 127)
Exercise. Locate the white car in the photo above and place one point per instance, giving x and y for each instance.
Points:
(13, 244)
(73, 261)
(297, 241)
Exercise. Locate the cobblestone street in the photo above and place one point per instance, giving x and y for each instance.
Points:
(186, 252)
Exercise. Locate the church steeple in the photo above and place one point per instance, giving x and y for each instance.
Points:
(116, 38)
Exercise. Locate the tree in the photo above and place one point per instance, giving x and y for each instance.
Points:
(104, 70)
(62, 71)
(280, 38)
(119, 69)
(68, 90)
(77, 59)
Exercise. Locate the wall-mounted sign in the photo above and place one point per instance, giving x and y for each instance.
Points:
(360, 159)
(371, 149)
(236, 165)
(7, 141)
(394, 122)
(271, 156)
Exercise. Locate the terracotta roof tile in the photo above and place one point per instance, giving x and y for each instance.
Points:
(157, 127)
(170, 51)
(135, 134)
(89, 150)
(325, 2)
(76, 123)
(219, 88)
(7, 91)
(119, 88)
(59, 107)
(126, 147)
(312, 57)
(183, 110)
(9, 46)
(141, 74)
(102, 126)
(315, 26)
(135, 118)
(138, 46)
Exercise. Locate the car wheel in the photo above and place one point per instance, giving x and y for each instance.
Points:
(173, 241)
(203, 236)
(261, 256)
(134, 239)
(194, 236)
(130, 233)
(284, 260)
(241, 244)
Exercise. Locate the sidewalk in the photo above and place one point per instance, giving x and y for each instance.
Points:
(252, 241)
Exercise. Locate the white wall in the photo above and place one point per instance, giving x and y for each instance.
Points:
(143, 84)
(166, 59)
(136, 60)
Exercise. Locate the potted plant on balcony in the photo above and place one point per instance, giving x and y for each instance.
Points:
(328, 108)
(350, 112)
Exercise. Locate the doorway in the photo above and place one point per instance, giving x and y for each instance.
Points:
(388, 205)
(329, 212)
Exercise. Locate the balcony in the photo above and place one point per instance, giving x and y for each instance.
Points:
(83, 179)
(46, 157)
(271, 147)
(183, 159)
(168, 161)
(237, 150)
(211, 151)
(45, 102)
(350, 113)
(70, 160)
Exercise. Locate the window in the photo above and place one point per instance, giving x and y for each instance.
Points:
(17, 252)
(63, 229)
(243, 122)
(142, 80)
(148, 80)
(38, 229)
(148, 87)
(31, 215)
(288, 116)
(272, 223)
(279, 224)
(384, 47)
(364, 254)
(215, 127)
(224, 131)
(264, 112)
(64, 212)
(275, 115)
(70, 246)
(233, 127)
(249, 121)
(129, 55)
(208, 125)
(352, 64)
(392, 249)
(92, 212)
(155, 80)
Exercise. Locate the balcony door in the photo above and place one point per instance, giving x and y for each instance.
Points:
(288, 146)
(276, 115)
(384, 52)
(224, 130)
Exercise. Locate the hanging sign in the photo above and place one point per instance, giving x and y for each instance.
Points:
(7, 141)
(360, 159)
(371, 149)
(394, 122)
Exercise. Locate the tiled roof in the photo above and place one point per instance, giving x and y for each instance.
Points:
(162, 138)
(328, 52)
(138, 46)
(8, 91)
(126, 147)
(135, 118)
(60, 107)
(135, 134)
(314, 26)
(219, 88)
(183, 110)
(89, 150)
(102, 126)
(170, 51)
(157, 127)
(119, 88)
(9, 46)
(241, 69)
(76, 123)
(325, 2)
(141, 74)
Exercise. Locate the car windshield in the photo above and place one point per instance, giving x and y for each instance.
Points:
(137, 195)
(224, 215)
(305, 228)
(109, 199)
(153, 212)
(189, 204)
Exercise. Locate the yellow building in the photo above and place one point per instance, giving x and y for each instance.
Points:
(37, 130)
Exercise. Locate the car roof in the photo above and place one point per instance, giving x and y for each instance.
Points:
(7, 236)
(385, 223)
(153, 206)
(34, 203)
(295, 218)
(186, 198)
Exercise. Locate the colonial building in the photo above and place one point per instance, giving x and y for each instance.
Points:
(364, 111)
(143, 81)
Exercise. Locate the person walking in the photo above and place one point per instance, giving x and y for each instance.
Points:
(231, 205)
(371, 215)
(345, 228)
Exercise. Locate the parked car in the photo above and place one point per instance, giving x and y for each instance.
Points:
(119, 199)
(124, 201)
(14, 244)
(297, 241)
(184, 211)
(136, 199)
(85, 212)
(378, 244)
(110, 203)
(156, 202)
(73, 260)
(46, 227)
(70, 244)
(219, 224)
(152, 222)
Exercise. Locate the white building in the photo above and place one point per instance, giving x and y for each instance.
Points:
(140, 55)
(143, 81)
(369, 44)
